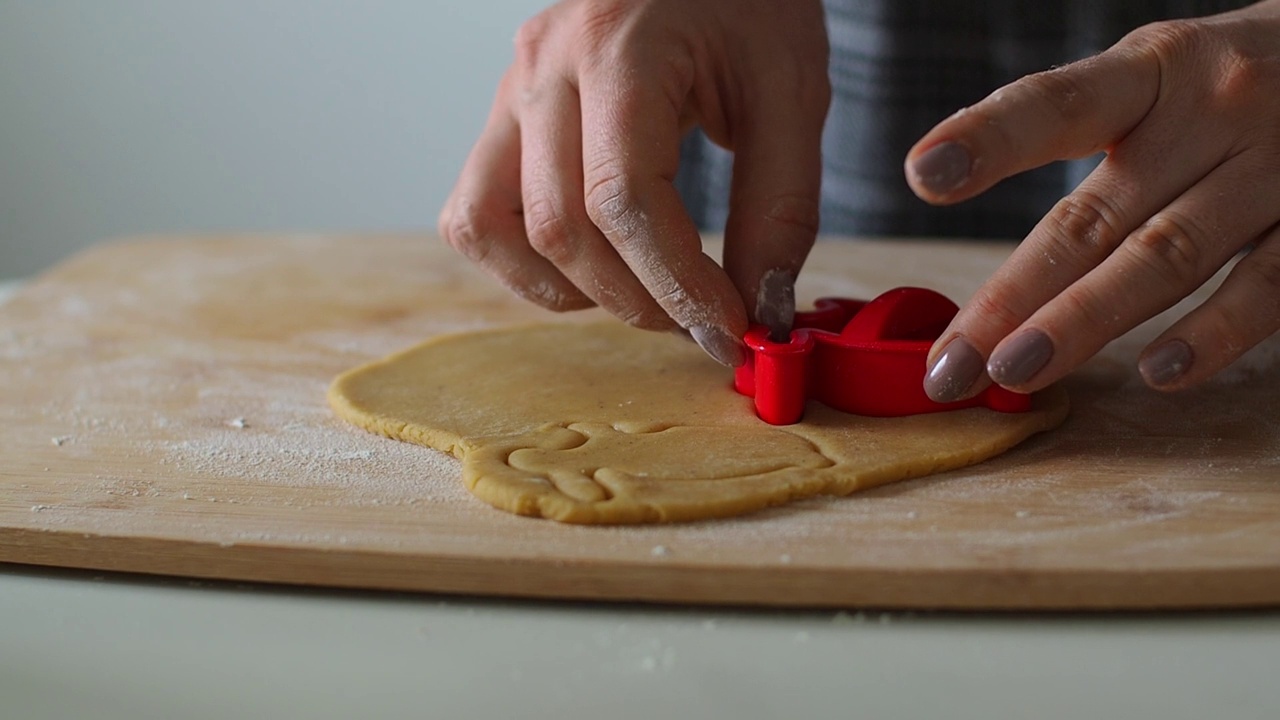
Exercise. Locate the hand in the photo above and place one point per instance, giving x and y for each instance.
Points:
(1188, 113)
(567, 197)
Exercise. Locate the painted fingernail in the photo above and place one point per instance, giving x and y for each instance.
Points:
(719, 344)
(776, 303)
(942, 168)
(957, 368)
(1166, 363)
(1021, 358)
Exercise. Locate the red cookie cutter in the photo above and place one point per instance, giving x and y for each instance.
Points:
(866, 358)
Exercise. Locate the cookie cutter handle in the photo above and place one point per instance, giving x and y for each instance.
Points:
(776, 375)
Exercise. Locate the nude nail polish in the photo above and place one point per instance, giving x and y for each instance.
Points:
(1166, 363)
(957, 368)
(719, 344)
(1020, 359)
(942, 168)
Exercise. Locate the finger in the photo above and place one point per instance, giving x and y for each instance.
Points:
(482, 218)
(1069, 112)
(773, 216)
(1242, 312)
(1136, 181)
(631, 151)
(555, 213)
(1161, 262)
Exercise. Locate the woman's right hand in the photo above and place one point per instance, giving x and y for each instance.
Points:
(567, 197)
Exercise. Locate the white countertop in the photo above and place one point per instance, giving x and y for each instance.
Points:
(84, 644)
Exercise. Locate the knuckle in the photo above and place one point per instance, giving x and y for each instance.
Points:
(1169, 39)
(531, 39)
(644, 318)
(635, 317)
(599, 22)
(546, 295)
(1084, 224)
(1229, 71)
(464, 230)
(994, 311)
(1242, 73)
(613, 205)
(1088, 310)
(673, 298)
(1169, 246)
(636, 309)
(679, 72)
(550, 232)
(443, 220)
(1243, 77)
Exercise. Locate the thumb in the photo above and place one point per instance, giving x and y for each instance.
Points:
(773, 205)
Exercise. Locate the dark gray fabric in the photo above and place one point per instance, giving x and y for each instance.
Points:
(900, 66)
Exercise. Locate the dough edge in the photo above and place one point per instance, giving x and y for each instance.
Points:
(486, 475)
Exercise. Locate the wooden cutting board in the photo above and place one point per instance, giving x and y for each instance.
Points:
(164, 412)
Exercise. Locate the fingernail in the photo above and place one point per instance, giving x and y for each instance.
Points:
(1020, 358)
(954, 372)
(776, 303)
(725, 348)
(942, 168)
(1166, 363)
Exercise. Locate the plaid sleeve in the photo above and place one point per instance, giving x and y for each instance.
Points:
(900, 66)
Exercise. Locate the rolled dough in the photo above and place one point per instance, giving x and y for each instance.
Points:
(602, 423)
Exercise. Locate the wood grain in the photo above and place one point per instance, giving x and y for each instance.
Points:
(164, 412)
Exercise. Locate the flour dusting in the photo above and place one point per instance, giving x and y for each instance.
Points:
(189, 403)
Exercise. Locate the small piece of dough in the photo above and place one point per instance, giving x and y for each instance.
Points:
(602, 423)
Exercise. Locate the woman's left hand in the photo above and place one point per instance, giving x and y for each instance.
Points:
(1188, 113)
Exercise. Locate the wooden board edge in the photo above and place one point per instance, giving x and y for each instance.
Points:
(996, 589)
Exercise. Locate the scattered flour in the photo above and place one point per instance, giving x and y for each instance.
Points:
(844, 618)
(239, 422)
(240, 428)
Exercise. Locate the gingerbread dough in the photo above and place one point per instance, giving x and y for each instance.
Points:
(605, 424)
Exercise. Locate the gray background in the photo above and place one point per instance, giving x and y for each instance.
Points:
(128, 116)
(120, 117)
